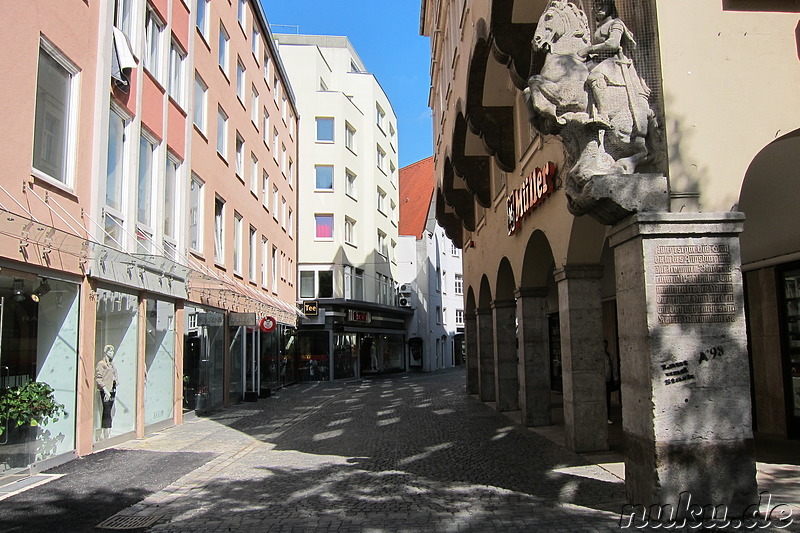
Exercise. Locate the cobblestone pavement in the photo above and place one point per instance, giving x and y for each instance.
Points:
(405, 453)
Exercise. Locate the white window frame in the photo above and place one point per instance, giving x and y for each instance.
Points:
(265, 189)
(239, 159)
(238, 223)
(459, 317)
(117, 214)
(223, 54)
(316, 225)
(264, 262)
(290, 221)
(380, 116)
(253, 257)
(202, 25)
(222, 133)
(177, 76)
(274, 202)
(382, 246)
(171, 238)
(325, 120)
(381, 201)
(266, 128)
(219, 231)
(350, 184)
(274, 269)
(154, 44)
(241, 13)
(459, 284)
(200, 110)
(283, 213)
(146, 203)
(317, 188)
(254, 174)
(241, 79)
(380, 157)
(350, 231)
(255, 40)
(196, 213)
(69, 131)
(123, 16)
(254, 107)
(349, 137)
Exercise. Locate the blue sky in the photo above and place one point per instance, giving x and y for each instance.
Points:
(386, 36)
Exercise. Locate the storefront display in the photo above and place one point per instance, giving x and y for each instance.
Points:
(345, 355)
(38, 343)
(159, 389)
(791, 285)
(203, 358)
(313, 348)
(116, 355)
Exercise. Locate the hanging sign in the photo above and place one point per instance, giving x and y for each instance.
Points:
(536, 187)
(268, 324)
(242, 319)
(310, 307)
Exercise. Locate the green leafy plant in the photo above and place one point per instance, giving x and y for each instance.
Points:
(32, 404)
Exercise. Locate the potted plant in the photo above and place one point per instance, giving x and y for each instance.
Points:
(22, 410)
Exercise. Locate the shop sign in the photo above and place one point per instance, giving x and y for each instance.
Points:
(267, 324)
(242, 319)
(311, 307)
(210, 319)
(536, 187)
(359, 316)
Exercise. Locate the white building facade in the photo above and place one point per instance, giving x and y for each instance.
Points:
(431, 278)
(348, 212)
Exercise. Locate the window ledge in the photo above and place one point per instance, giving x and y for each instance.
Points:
(39, 176)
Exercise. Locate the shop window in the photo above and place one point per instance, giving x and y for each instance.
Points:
(159, 389)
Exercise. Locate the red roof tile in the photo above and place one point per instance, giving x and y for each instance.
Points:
(416, 194)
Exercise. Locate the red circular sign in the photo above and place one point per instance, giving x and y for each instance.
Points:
(268, 324)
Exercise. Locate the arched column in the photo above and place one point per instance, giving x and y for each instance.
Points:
(471, 337)
(534, 356)
(506, 378)
(582, 356)
(486, 385)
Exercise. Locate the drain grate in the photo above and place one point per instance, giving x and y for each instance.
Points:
(121, 521)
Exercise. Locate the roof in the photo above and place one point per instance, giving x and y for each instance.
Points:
(416, 194)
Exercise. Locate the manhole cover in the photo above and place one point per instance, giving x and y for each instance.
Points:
(121, 521)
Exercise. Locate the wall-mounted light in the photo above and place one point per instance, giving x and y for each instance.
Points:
(19, 290)
(43, 289)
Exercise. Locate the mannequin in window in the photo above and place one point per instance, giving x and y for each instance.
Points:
(106, 377)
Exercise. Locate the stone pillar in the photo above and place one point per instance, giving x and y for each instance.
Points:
(534, 356)
(486, 389)
(582, 357)
(683, 347)
(506, 366)
(471, 339)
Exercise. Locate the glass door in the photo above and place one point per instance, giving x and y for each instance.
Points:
(791, 288)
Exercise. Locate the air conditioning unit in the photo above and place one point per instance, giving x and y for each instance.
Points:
(405, 301)
(406, 288)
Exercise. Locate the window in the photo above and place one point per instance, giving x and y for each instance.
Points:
(350, 186)
(219, 229)
(239, 156)
(255, 39)
(284, 110)
(154, 28)
(454, 250)
(459, 284)
(380, 158)
(438, 314)
(266, 127)
(253, 174)
(460, 317)
(444, 281)
(123, 10)
(324, 174)
(265, 189)
(391, 131)
(176, 75)
(274, 268)
(240, 80)
(290, 173)
(254, 106)
(392, 170)
(251, 271)
(322, 85)
(393, 214)
(380, 115)
(324, 129)
(222, 133)
(266, 67)
(358, 284)
(393, 252)
(283, 159)
(382, 247)
(438, 280)
(349, 231)
(283, 212)
(200, 102)
(195, 214)
(275, 202)
(381, 201)
(54, 121)
(115, 175)
(240, 12)
(348, 282)
(276, 88)
(350, 137)
(307, 284)
(290, 222)
(324, 227)
(264, 261)
(202, 18)
(224, 39)
(171, 184)
(237, 242)
(275, 143)
(325, 278)
(144, 195)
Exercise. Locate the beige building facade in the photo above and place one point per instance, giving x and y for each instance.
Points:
(536, 273)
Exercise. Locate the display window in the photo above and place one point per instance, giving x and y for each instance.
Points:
(159, 387)
(115, 364)
(345, 355)
(791, 295)
(39, 319)
(277, 358)
(203, 358)
(313, 359)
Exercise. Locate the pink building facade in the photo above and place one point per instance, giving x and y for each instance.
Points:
(148, 208)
